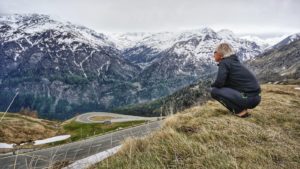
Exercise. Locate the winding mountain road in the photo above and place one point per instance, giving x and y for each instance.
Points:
(71, 152)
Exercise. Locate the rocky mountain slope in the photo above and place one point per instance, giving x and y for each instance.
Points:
(60, 67)
(278, 64)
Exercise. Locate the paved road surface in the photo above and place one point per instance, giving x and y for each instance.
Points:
(75, 151)
(85, 118)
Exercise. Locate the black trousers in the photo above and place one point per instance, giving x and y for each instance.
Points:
(233, 100)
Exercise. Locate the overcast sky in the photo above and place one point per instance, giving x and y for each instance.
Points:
(241, 16)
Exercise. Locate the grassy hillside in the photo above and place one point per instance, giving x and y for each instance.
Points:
(209, 137)
(16, 128)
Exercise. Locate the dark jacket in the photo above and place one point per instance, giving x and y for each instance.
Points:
(234, 75)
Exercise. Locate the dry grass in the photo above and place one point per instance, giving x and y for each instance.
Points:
(15, 128)
(209, 137)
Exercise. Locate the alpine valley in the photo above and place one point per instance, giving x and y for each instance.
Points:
(61, 69)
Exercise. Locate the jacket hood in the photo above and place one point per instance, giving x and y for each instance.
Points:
(234, 57)
(231, 57)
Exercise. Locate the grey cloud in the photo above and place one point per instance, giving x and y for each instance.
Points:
(156, 15)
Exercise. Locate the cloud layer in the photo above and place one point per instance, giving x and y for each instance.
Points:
(253, 16)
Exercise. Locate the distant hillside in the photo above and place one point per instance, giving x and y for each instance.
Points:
(209, 137)
(282, 64)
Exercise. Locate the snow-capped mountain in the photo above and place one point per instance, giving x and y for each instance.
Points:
(58, 64)
(16, 27)
(62, 67)
(263, 43)
(127, 40)
(171, 60)
(71, 48)
(287, 41)
(144, 48)
(272, 42)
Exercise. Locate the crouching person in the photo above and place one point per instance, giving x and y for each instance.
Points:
(235, 86)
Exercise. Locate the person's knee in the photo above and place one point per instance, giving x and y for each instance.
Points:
(214, 92)
(253, 102)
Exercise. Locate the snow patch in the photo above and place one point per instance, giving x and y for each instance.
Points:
(259, 41)
(5, 145)
(51, 139)
(137, 85)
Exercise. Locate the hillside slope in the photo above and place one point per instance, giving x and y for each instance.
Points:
(16, 128)
(209, 137)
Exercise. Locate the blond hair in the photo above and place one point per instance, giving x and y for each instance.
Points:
(225, 49)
